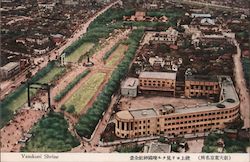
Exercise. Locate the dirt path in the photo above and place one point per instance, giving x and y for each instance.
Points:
(20, 125)
(241, 87)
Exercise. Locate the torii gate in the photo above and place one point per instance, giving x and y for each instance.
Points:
(42, 86)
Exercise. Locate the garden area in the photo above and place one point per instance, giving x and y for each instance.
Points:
(80, 51)
(71, 85)
(116, 55)
(84, 94)
(213, 142)
(19, 97)
(89, 120)
(51, 134)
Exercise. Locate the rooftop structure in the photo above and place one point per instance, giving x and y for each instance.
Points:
(201, 78)
(9, 70)
(158, 75)
(129, 87)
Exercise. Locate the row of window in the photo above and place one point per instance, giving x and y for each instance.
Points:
(202, 93)
(200, 87)
(158, 85)
(200, 115)
(193, 126)
(154, 81)
(140, 127)
(200, 120)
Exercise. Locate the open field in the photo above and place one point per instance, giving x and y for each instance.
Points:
(84, 94)
(56, 71)
(83, 49)
(22, 98)
(116, 55)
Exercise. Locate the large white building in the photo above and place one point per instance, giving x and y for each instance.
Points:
(129, 87)
(9, 70)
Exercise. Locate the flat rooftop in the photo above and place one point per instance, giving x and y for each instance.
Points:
(10, 66)
(157, 147)
(201, 78)
(158, 75)
(130, 83)
(143, 113)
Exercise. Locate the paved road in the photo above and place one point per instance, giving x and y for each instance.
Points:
(222, 7)
(241, 87)
(52, 54)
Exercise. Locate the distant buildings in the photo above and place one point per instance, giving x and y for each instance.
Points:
(169, 36)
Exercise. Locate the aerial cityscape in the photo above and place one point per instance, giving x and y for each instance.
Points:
(125, 76)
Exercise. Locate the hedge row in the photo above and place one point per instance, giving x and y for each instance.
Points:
(246, 69)
(106, 56)
(71, 85)
(87, 122)
(5, 111)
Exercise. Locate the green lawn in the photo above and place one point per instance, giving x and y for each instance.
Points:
(22, 98)
(84, 94)
(84, 48)
(116, 55)
(56, 71)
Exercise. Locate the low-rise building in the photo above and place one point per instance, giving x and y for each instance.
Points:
(156, 147)
(158, 81)
(9, 70)
(170, 36)
(129, 87)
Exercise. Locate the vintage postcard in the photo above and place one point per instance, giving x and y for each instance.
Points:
(125, 80)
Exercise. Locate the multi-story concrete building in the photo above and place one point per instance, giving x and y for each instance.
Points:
(129, 87)
(183, 120)
(158, 81)
(9, 70)
(201, 86)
